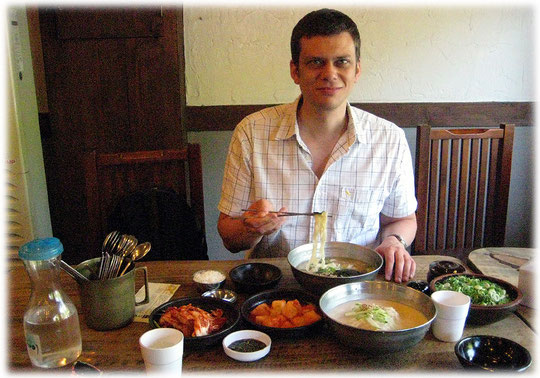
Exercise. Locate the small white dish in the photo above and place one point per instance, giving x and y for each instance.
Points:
(247, 334)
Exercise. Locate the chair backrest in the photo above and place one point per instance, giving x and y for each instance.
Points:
(111, 177)
(462, 185)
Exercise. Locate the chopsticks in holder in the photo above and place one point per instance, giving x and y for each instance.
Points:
(284, 213)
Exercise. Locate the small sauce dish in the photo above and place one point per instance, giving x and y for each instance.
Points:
(254, 337)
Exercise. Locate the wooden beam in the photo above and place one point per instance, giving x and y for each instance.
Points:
(466, 114)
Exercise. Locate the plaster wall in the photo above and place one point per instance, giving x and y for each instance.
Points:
(240, 55)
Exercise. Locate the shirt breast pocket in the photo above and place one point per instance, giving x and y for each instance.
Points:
(360, 208)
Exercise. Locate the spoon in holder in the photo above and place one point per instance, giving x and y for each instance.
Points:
(73, 272)
(138, 253)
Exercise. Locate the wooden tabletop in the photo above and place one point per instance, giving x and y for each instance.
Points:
(501, 262)
(118, 350)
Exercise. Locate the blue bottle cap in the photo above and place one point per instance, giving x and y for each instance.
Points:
(41, 249)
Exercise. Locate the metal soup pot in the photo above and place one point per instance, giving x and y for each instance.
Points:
(376, 342)
(318, 284)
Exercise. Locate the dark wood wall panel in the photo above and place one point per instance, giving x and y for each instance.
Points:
(115, 23)
(113, 79)
(485, 114)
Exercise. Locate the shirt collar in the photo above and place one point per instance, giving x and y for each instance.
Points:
(288, 125)
(355, 128)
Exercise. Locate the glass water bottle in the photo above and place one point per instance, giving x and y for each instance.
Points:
(51, 322)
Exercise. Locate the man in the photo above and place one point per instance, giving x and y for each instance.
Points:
(320, 154)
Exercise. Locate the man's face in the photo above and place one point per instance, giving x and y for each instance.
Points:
(327, 70)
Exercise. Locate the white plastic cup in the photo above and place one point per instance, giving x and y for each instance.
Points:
(162, 350)
(452, 310)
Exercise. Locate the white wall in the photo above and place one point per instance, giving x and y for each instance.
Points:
(239, 55)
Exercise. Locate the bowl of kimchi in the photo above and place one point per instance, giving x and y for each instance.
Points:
(283, 313)
(204, 321)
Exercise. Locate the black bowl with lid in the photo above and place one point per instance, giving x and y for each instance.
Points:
(441, 267)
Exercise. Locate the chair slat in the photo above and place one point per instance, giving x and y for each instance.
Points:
(492, 192)
(443, 192)
(472, 192)
(463, 184)
(433, 195)
(453, 195)
(482, 192)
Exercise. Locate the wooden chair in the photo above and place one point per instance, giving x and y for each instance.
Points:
(462, 184)
(111, 176)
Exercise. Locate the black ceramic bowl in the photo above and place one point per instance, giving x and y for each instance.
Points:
(420, 285)
(480, 314)
(255, 277)
(441, 267)
(271, 295)
(208, 304)
(492, 353)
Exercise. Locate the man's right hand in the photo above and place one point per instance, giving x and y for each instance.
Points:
(243, 233)
(262, 222)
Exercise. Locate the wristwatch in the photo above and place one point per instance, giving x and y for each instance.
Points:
(400, 239)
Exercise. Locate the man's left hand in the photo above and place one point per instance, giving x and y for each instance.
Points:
(397, 260)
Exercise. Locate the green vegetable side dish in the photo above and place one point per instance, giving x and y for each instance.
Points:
(481, 291)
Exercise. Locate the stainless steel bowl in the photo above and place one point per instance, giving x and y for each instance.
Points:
(376, 342)
(223, 294)
(318, 284)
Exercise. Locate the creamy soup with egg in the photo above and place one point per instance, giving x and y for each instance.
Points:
(377, 315)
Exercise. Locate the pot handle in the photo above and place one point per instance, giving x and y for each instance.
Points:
(146, 288)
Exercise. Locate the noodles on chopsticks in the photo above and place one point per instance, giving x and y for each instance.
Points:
(317, 260)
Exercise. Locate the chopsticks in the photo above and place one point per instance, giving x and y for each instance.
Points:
(285, 213)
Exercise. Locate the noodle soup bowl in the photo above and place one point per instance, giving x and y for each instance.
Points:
(317, 284)
(377, 341)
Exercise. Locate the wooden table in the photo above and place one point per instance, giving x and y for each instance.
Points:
(118, 350)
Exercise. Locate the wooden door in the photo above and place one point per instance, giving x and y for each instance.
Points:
(114, 81)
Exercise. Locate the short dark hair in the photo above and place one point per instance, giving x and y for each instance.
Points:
(323, 22)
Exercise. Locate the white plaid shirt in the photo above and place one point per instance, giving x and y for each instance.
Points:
(369, 172)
